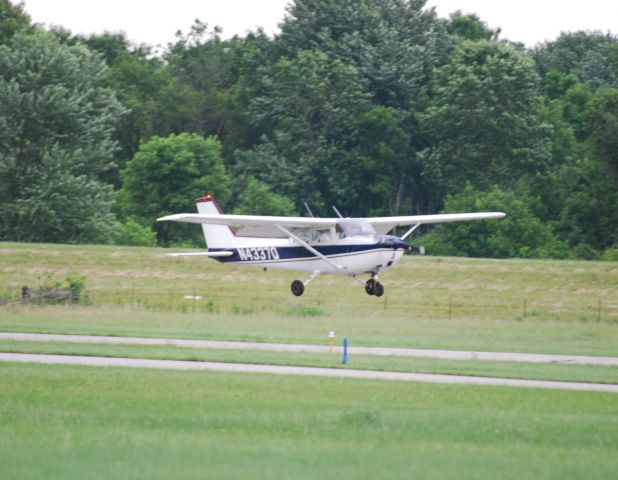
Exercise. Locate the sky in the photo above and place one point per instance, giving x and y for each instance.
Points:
(155, 22)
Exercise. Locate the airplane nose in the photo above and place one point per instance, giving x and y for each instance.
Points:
(394, 243)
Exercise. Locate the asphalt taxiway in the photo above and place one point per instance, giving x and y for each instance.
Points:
(306, 371)
(286, 347)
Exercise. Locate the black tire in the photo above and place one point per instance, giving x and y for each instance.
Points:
(370, 287)
(298, 288)
(378, 289)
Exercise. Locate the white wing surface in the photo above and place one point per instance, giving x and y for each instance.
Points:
(254, 225)
(382, 225)
(269, 226)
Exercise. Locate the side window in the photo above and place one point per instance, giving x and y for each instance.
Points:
(324, 236)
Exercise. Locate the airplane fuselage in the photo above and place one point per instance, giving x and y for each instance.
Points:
(353, 255)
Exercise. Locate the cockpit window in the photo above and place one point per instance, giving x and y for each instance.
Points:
(354, 227)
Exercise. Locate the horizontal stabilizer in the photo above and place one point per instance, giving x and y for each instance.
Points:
(201, 254)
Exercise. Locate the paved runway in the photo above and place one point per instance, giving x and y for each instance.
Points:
(283, 347)
(306, 371)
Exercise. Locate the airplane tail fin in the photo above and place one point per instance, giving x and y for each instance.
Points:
(217, 236)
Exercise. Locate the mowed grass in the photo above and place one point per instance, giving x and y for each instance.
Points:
(543, 371)
(471, 304)
(419, 287)
(75, 422)
(83, 422)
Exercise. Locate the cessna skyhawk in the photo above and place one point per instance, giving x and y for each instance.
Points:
(343, 246)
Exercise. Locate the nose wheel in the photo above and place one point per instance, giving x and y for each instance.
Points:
(373, 287)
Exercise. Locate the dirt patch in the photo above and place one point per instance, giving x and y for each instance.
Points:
(584, 291)
(497, 288)
(203, 276)
(40, 270)
(460, 286)
(171, 275)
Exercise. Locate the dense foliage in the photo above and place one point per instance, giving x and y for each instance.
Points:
(56, 121)
(376, 106)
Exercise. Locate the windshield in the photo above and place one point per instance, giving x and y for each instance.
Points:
(354, 227)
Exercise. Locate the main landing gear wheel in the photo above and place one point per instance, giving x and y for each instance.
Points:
(298, 288)
(373, 287)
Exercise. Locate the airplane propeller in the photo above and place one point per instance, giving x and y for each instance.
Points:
(418, 249)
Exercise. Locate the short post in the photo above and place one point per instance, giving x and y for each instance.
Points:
(331, 341)
(345, 351)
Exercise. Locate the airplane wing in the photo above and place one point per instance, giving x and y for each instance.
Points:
(383, 225)
(254, 225)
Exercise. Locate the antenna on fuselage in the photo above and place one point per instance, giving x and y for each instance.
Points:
(337, 211)
(309, 210)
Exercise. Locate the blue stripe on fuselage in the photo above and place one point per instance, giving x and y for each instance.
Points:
(275, 254)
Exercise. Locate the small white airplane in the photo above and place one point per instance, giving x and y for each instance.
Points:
(343, 246)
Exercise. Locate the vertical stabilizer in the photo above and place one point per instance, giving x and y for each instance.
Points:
(217, 236)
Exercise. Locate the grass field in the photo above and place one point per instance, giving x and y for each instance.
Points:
(544, 306)
(76, 422)
(102, 422)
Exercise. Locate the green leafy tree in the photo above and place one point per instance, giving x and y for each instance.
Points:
(202, 60)
(381, 162)
(56, 124)
(602, 129)
(133, 234)
(13, 19)
(588, 55)
(470, 27)
(258, 199)
(392, 44)
(519, 234)
(166, 175)
(156, 102)
(310, 105)
(484, 120)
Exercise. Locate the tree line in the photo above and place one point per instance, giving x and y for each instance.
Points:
(376, 106)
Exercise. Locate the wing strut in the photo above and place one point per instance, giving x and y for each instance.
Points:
(309, 247)
(409, 232)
